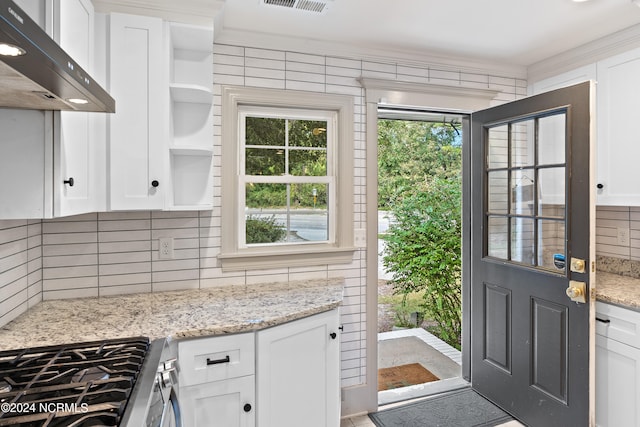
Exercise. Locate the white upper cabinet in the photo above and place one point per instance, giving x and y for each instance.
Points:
(579, 75)
(618, 78)
(190, 54)
(39, 150)
(618, 138)
(137, 130)
(75, 145)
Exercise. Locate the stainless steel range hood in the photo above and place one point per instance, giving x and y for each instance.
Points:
(42, 76)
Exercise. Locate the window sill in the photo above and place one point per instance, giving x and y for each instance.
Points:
(259, 259)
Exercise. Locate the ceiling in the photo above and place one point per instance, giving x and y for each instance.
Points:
(513, 32)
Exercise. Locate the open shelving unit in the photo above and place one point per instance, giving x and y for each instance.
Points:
(191, 117)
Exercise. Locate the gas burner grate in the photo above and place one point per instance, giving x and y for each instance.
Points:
(80, 384)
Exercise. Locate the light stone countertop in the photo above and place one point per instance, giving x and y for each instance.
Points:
(619, 290)
(176, 314)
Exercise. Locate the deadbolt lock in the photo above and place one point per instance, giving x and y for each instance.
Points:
(578, 265)
(577, 291)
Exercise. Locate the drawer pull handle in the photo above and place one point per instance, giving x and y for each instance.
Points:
(603, 320)
(218, 361)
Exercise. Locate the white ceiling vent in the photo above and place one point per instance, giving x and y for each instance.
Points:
(317, 6)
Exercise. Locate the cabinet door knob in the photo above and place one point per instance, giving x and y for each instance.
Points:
(68, 181)
(600, 186)
(247, 407)
(333, 335)
(155, 183)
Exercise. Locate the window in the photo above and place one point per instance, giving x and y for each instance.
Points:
(287, 178)
(287, 173)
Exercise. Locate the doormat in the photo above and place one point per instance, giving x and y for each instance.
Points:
(463, 408)
(403, 376)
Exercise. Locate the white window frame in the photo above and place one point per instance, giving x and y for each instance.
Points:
(338, 110)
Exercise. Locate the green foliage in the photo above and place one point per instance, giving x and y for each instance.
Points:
(412, 153)
(263, 229)
(424, 251)
(285, 146)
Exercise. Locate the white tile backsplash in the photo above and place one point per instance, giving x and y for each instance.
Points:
(116, 252)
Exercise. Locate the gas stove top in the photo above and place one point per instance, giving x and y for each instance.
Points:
(71, 385)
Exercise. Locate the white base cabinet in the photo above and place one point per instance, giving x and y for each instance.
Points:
(219, 404)
(283, 376)
(298, 380)
(617, 367)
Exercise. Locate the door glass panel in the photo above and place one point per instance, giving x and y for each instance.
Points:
(526, 193)
(523, 143)
(498, 147)
(497, 194)
(552, 192)
(551, 237)
(522, 191)
(523, 240)
(497, 239)
(551, 139)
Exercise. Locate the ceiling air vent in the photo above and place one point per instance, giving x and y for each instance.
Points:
(318, 6)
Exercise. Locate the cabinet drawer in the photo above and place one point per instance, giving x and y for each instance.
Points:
(618, 323)
(209, 359)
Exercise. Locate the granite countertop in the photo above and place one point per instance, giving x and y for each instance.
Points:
(620, 290)
(176, 314)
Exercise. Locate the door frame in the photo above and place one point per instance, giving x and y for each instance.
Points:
(364, 398)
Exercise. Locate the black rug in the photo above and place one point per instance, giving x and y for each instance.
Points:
(463, 408)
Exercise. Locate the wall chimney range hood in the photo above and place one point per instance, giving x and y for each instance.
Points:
(36, 74)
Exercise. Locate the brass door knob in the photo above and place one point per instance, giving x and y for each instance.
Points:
(577, 291)
(574, 292)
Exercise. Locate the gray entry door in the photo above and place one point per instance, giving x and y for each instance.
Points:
(532, 248)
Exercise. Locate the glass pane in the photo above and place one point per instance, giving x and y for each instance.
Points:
(307, 133)
(265, 131)
(498, 192)
(265, 228)
(523, 240)
(265, 196)
(497, 237)
(551, 139)
(308, 162)
(497, 147)
(552, 192)
(310, 218)
(522, 191)
(264, 161)
(522, 143)
(551, 240)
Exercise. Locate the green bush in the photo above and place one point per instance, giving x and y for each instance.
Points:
(263, 229)
(424, 251)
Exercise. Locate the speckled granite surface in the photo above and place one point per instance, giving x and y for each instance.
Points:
(620, 290)
(179, 314)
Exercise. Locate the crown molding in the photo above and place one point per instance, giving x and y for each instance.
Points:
(368, 53)
(585, 54)
(198, 12)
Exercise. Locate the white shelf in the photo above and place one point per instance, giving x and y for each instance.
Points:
(191, 116)
(191, 151)
(191, 93)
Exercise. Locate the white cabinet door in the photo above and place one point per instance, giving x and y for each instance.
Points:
(298, 373)
(137, 130)
(617, 384)
(227, 403)
(74, 180)
(618, 139)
